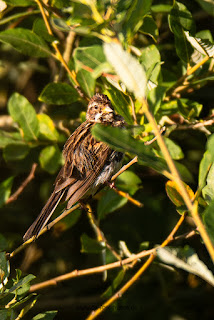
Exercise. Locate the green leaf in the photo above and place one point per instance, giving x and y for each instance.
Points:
(174, 149)
(3, 241)
(208, 218)
(40, 29)
(91, 57)
(58, 93)
(5, 190)
(180, 16)
(16, 151)
(121, 140)
(128, 181)
(86, 81)
(109, 202)
(128, 68)
(189, 109)
(48, 315)
(4, 269)
(206, 162)
(26, 42)
(22, 283)
(23, 112)
(7, 138)
(20, 3)
(134, 17)
(208, 190)
(161, 8)
(116, 282)
(47, 130)
(151, 59)
(173, 192)
(207, 5)
(180, 20)
(121, 103)
(149, 27)
(155, 98)
(50, 159)
(89, 245)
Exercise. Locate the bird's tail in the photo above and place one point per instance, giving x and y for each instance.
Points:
(44, 215)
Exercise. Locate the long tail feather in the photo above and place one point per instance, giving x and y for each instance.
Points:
(44, 215)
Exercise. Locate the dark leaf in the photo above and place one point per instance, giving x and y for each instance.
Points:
(26, 42)
(5, 190)
(90, 245)
(109, 202)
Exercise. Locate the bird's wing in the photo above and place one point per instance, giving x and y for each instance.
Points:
(84, 160)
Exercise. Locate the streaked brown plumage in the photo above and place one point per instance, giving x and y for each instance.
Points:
(88, 163)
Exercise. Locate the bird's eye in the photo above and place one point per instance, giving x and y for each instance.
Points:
(96, 107)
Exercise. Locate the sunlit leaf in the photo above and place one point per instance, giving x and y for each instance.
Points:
(23, 112)
(47, 129)
(50, 159)
(127, 67)
(92, 57)
(173, 192)
(20, 3)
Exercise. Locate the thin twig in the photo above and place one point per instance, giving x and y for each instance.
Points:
(125, 195)
(124, 168)
(30, 177)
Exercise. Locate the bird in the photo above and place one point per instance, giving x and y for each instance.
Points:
(88, 163)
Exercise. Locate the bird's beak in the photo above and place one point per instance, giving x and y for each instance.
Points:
(107, 109)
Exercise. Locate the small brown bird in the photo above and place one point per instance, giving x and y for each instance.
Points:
(88, 163)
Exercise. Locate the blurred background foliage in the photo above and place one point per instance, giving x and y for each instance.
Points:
(42, 102)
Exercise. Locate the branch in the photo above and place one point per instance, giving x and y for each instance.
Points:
(100, 269)
(136, 276)
(30, 177)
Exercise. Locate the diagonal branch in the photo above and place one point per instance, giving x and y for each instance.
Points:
(17, 193)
